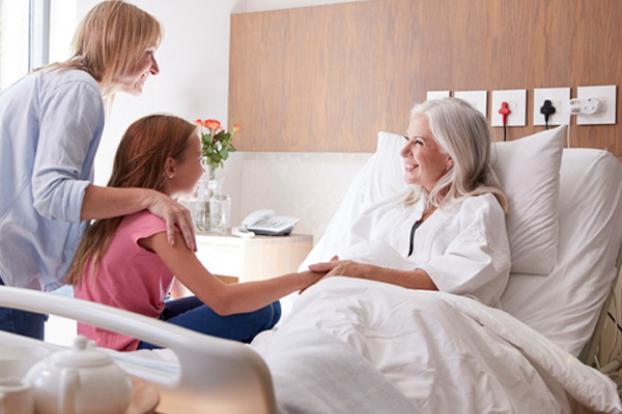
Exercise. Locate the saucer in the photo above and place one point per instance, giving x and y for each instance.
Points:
(145, 397)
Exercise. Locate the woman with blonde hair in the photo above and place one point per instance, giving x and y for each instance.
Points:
(51, 122)
(126, 262)
(456, 238)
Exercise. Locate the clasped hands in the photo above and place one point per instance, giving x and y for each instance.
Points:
(336, 267)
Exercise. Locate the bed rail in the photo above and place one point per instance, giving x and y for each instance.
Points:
(209, 366)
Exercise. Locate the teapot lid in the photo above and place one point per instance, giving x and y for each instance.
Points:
(83, 354)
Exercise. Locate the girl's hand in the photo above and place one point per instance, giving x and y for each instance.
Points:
(174, 214)
(313, 278)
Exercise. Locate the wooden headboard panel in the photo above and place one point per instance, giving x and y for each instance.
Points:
(327, 78)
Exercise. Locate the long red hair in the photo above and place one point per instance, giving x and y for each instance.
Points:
(139, 162)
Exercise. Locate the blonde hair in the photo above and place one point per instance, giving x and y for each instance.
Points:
(110, 41)
(462, 132)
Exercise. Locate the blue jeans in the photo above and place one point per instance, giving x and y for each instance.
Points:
(22, 322)
(193, 314)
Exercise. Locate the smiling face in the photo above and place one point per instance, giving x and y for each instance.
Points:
(424, 161)
(133, 81)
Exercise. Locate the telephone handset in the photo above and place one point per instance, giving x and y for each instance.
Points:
(266, 222)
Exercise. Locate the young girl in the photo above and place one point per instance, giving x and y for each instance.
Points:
(128, 263)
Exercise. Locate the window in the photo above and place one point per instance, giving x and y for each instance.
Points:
(14, 23)
(32, 34)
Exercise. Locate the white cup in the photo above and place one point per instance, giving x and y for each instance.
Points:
(15, 361)
(16, 397)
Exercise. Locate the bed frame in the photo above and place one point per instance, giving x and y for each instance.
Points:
(588, 355)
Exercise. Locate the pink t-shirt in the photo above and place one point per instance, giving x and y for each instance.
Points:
(128, 277)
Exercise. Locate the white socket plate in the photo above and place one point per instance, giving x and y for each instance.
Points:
(437, 95)
(607, 97)
(559, 97)
(517, 100)
(478, 99)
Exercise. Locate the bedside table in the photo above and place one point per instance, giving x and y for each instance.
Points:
(261, 257)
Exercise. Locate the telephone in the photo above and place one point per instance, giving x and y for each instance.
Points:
(266, 222)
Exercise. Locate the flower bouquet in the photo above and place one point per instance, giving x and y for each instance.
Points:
(215, 143)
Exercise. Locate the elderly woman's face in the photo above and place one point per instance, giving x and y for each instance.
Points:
(424, 162)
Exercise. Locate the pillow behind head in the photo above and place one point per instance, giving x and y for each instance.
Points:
(528, 171)
(385, 170)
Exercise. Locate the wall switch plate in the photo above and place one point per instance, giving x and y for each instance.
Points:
(607, 97)
(517, 101)
(478, 99)
(559, 97)
(437, 95)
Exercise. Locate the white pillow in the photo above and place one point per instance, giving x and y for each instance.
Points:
(381, 176)
(528, 170)
(529, 173)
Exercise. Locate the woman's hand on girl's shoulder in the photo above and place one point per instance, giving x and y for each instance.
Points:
(175, 215)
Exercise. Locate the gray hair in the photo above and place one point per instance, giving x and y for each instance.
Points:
(461, 132)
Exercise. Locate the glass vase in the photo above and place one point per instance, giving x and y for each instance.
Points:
(213, 206)
(220, 210)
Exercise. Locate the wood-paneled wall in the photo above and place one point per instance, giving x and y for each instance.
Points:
(327, 78)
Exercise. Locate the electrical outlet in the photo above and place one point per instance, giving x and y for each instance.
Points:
(437, 95)
(606, 96)
(559, 97)
(478, 99)
(517, 101)
(585, 107)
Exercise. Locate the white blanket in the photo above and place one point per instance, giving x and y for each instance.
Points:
(351, 345)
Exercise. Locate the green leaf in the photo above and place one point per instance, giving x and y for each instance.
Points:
(217, 148)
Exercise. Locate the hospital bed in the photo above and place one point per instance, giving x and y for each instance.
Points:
(338, 351)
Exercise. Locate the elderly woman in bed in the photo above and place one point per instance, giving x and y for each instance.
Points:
(448, 233)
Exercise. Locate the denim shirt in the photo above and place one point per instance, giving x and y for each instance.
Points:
(51, 124)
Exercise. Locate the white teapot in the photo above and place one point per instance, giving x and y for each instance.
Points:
(81, 380)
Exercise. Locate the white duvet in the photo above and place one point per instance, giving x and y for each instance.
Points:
(355, 346)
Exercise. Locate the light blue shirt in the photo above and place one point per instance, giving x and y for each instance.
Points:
(50, 127)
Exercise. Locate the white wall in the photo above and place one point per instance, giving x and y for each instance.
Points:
(194, 68)
(243, 6)
(305, 185)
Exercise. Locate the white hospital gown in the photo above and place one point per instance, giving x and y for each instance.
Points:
(464, 249)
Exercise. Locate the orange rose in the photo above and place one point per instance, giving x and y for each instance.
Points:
(212, 124)
(198, 122)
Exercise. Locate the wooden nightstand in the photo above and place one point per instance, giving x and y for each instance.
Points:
(258, 258)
